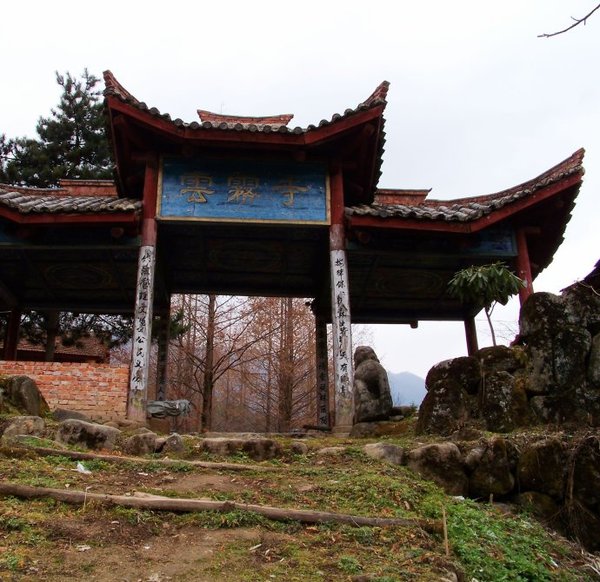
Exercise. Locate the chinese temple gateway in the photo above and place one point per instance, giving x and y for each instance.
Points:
(251, 206)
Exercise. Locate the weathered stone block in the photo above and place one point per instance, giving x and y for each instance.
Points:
(441, 463)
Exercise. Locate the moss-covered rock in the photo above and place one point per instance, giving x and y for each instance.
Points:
(542, 468)
(504, 403)
(490, 469)
(466, 371)
(444, 408)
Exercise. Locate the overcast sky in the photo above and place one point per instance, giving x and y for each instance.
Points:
(477, 102)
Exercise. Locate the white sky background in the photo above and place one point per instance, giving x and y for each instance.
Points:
(477, 102)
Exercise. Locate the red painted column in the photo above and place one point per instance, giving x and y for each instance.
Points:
(340, 310)
(11, 340)
(523, 266)
(142, 321)
(471, 334)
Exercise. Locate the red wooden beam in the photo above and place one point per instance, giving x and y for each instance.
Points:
(106, 218)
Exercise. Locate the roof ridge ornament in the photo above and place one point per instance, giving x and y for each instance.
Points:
(379, 95)
(245, 120)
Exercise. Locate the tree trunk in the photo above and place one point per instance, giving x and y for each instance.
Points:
(207, 384)
(51, 334)
(489, 318)
(286, 375)
(159, 503)
(269, 382)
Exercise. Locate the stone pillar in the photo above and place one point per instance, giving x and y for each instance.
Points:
(523, 266)
(11, 340)
(471, 334)
(340, 310)
(322, 361)
(142, 323)
(164, 324)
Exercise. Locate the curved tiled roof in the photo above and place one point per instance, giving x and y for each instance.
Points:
(50, 201)
(210, 120)
(469, 209)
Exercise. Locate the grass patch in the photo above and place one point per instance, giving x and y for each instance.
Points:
(493, 546)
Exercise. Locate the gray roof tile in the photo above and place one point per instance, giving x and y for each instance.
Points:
(469, 209)
(44, 201)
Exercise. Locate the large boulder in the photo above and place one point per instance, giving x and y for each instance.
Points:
(465, 370)
(91, 435)
(542, 468)
(542, 313)
(444, 409)
(501, 359)
(491, 468)
(583, 306)
(372, 395)
(504, 403)
(441, 463)
(21, 394)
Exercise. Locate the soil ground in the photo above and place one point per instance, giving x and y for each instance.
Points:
(49, 540)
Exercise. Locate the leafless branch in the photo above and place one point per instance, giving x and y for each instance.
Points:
(577, 22)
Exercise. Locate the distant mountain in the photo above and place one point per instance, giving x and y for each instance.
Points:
(406, 388)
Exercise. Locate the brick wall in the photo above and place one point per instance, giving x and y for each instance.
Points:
(97, 390)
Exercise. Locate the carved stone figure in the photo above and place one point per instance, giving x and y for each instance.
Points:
(372, 396)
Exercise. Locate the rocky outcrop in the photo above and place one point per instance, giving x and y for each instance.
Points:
(557, 479)
(552, 376)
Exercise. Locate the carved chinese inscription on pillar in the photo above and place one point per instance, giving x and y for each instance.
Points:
(141, 326)
(244, 190)
(342, 338)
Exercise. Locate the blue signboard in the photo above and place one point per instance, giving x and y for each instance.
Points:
(243, 191)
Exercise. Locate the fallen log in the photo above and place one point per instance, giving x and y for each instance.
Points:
(46, 452)
(158, 503)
